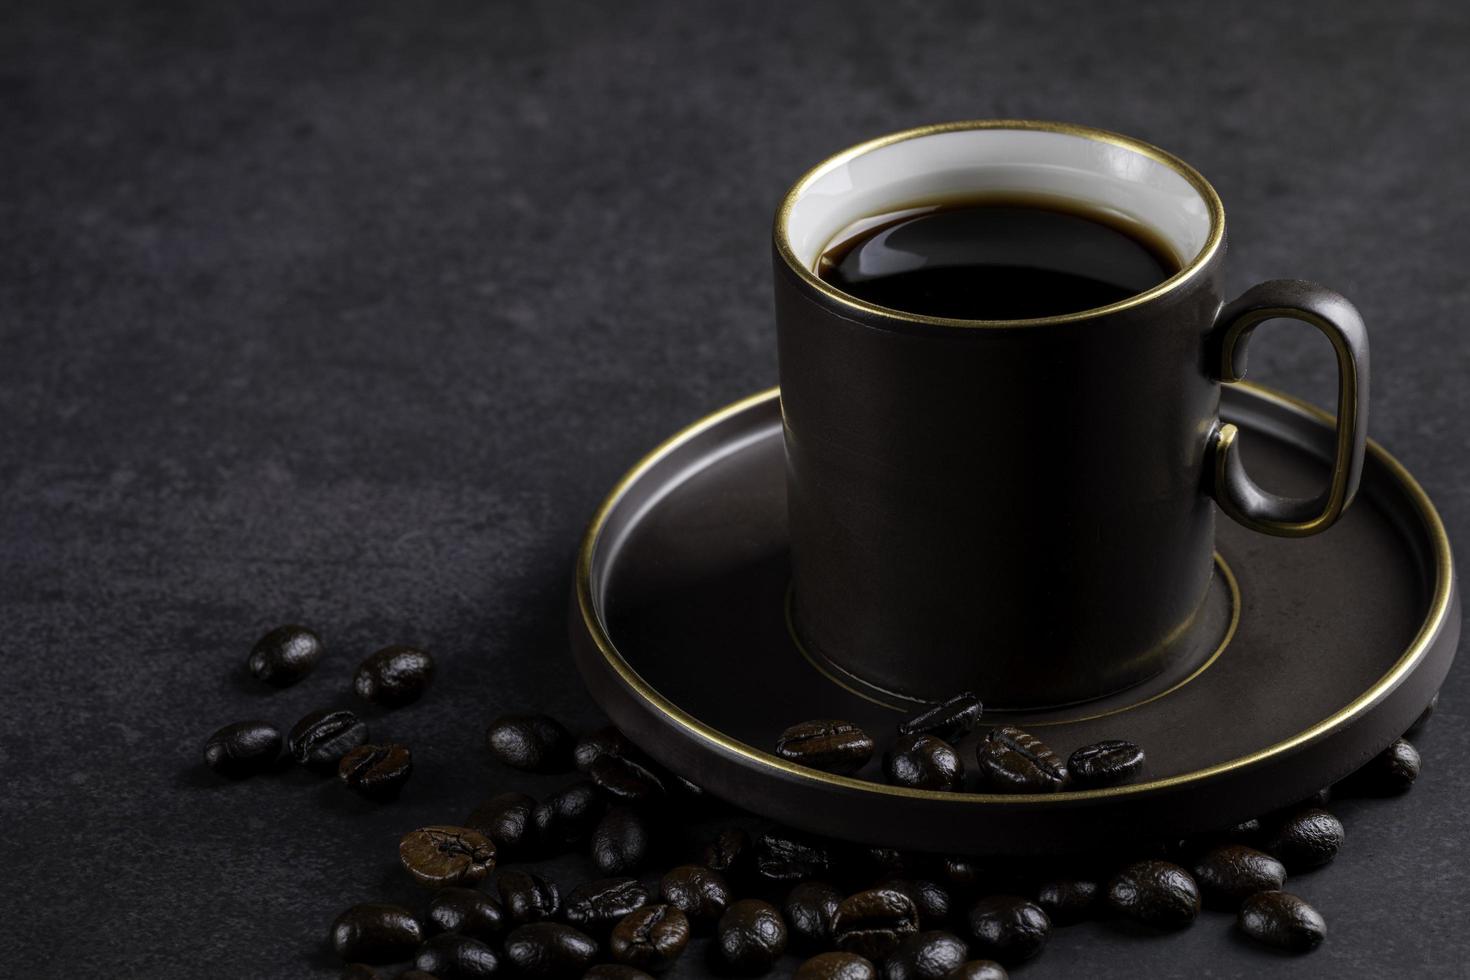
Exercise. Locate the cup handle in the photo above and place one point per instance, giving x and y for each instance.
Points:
(1233, 489)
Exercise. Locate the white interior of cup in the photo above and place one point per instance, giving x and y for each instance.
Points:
(1104, 175)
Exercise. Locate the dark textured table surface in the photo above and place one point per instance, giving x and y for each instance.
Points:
(350, 313)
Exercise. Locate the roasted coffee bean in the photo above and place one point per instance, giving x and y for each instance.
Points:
(604, 741)
(1013, 761)
(376, 933)
(1068, 900)
(466, 911)
(359, 971)
(1007, 928)
(650, 938)
(624, 779)
(1389, 773)
(596, 906)
(827, 744)
(534, 743)
(879, 863)
(1306, 839)
(749, 938)
(700, 893)
(732, 854)
(450, 956)
(1231, 873)
(377, 772)
(615, 971)
(1423, 718)
(837, 966)
(394, 676)
(506, 819)
(960, 873)
(872, 923)
(621, 842)
(284, 655)
(442, 855)
(979, 970)
(243, 749)
(781, 858)
(527, 897)
(1105, 763)
(322, 738)
(1282, 920)
(809, 909)
(549, 951)
(568, 816)
(1156, 893)
(926, 956)
(947, 720)
(930, 900)
(923, 762)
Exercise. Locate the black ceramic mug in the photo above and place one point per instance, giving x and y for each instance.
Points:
(1024, 508)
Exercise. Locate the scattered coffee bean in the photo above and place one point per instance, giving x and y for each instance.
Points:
(1231, 873)
(322, 738)
(442, 855)
(449, 956)
(377, 772)
(837, 966)
(810, 908)
(466, 911)
(929, 955)
(780, 858)
(1068, 900)
(1282, 920)
(549, 951)
(623, 779)
(923, 762)
(1389, 773)
(568, 816)
(615, 971)
(1105, 763)
(749, 938)
(1155, 893)
(980, 970)
(872, 923)
(534, 743)
(604, 741)
(834, 746)
(930, 900)
(284, 655)
(394, 676)
(1307, 839)
(243, 749)
(359, 971)
(960, 873)
(732, 854)
(376, 933)
(506, 820)
(1424, 717)
(1007, 928)
(621, 842)
(527, 897)
(650, 938)
(699, 892)
(596, 906)
(948, 720)
(1013, 761)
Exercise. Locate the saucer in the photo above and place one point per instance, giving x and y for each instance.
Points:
(1328, 648)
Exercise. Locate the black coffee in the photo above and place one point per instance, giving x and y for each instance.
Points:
(996, 258)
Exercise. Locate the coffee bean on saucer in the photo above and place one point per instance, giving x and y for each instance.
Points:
(374, 932)
(623, 779)
(700, 893)
(810, 908)
(650, 938)
(783, 858)
(1013, 761)
(979, 970)
(527, 897)
(604, 741)
(621, 842)
(923, 762)
(1306, 839)
(394, 676)
(284, 655)
(1155, 893)
(1389, 773)
(1230, 873)
(450, 956)
(359, 971)
(926, 956)
(1424, 717)
(506, 820)
(947, 720)
(1007, 928)
(1282, 920)
(596, 906)
(749, 938)
(872, 923)
(1068, 900)
(443, 855)
(615, 971)
(534, 743)
(467, 911)
(549, 951)
(837, 966)
(930, 900)
(1105, 763)
(376, 772)
(827, 744)
(568, 816)
(243, 749)
(320, 740)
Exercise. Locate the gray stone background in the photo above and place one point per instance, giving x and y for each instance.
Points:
(350, 313)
